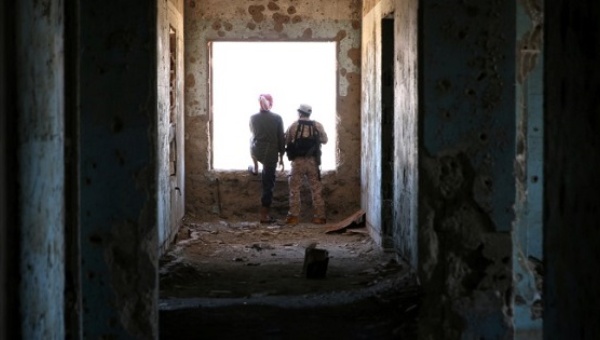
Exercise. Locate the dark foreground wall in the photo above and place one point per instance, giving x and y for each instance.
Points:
(572, 235)
(118, 169)
(8, 188)
(40, 162)
(466, 167)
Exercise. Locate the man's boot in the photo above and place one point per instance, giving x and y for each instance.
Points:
(264, 215)
(291, 219)
(319, 220)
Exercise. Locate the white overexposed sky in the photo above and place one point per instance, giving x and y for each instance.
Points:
(292, 72)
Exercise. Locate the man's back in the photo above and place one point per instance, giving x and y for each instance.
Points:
(267, 136)
(264, 126)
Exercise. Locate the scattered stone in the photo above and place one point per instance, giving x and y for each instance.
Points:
(261, 246)
(315, 263)
(249, 225)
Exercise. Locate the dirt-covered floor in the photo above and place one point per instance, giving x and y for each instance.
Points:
(227, 279)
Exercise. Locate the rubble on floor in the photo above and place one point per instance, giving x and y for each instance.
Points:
(223, 267)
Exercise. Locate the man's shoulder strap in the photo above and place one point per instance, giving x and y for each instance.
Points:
(310, 124)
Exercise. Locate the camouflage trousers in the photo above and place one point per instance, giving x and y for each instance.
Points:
(305, 167)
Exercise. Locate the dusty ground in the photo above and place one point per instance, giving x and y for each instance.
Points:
(230, 279)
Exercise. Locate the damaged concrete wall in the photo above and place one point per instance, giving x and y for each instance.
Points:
(466, 162)
(406, 130)
(527, 233)
(404, 143)
(224, 194)
(571, 186)
(171, 125)
(405, 162)
(177, 5)
(41, 206)
(118, 184)
(371, 116)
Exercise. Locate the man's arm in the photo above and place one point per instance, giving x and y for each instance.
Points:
(280, 137)
(322, 134)
(281, 142)
(288, 134)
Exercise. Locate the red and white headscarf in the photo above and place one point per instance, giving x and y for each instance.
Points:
(266, 102)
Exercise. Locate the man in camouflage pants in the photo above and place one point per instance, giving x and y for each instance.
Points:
(305, 158)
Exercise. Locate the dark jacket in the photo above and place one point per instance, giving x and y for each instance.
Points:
(267, 141)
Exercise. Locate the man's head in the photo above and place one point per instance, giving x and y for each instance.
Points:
(305, 110)
(266, 102)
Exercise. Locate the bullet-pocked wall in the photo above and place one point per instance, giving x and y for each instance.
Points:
(119, 189)
(466, 167)
(455, 147)
(223, 194)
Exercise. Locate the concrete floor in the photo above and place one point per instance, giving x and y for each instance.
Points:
(231, 279)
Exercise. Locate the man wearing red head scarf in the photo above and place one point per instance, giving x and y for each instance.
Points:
(267, 146)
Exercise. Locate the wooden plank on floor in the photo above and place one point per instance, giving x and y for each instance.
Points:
(361, 230)
(355, 220)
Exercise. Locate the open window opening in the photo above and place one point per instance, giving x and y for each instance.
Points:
(293, 73)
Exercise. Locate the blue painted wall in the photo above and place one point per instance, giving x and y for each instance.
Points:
(467, 95)
(527, 236)
(40, 109)
(118, 169)
(466, 167)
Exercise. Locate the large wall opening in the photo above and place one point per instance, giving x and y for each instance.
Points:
(292, 72)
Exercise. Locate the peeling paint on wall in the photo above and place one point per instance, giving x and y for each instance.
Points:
(527, 235)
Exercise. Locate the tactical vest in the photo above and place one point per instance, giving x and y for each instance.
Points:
(306, 141)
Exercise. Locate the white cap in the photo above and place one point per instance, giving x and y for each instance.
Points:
(305, 108)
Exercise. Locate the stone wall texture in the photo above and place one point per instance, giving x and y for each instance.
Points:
(211, 194)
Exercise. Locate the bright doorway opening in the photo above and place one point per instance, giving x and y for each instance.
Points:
(292, 72)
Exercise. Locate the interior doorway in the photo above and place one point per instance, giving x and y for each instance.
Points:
(387, 130)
